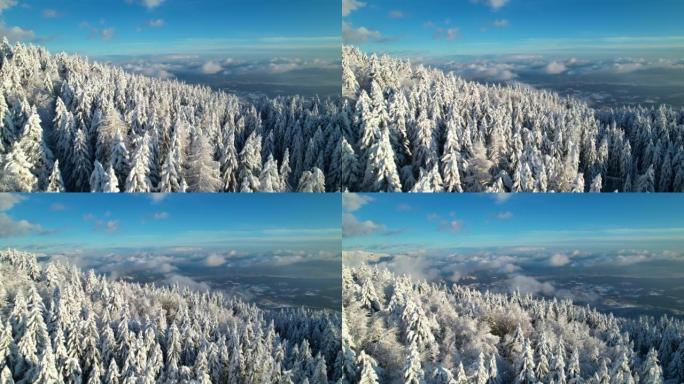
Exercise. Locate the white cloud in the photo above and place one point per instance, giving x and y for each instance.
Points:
(352, 226)
(453, 226)
(50, 13)
(107, 34)
(10, 227)
(157, 197)
(349, 6)
(149, 4)
(160, 215)
(395, 14)
(442, 33)
(9, 200)
(7, 4)
(507, 215)
(57, 207)
(559, 260)
(555, 68)
(493, 4)
(15, 34)
(356, 258)
(529, 285)
(351, 35)
(501, 198)
(488, 70)
(501, 23)
(186, 282)
(446, 33)
(211, 67)
(214, 260)
(156, 23)
(112, 226)
(352, 202)
(403, 207)
(158, 70)
(104, 34)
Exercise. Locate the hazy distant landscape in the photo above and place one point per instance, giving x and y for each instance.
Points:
(309, 283)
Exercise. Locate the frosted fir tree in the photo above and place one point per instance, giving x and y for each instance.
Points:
(202, 172)
(652, 373)
(138, 179)
(413, 371)
(381, 171)
(119, 157)
(602, 376)
(98, 177)
(542, 353)
(110, 183)
(596, 184)
(46, 372)
(55, 181)
(16, 173)
(6, 376)
(269, 179)
(558, 373)
(622, 374)
(346, 169)
(442, 375)
(482, 374)
(171, 172)
(285, 171)
(250, 164)
(367, 369)
(34, 146)
(312, 181)
(424, 148)
(525, 368)
(646, 181)
(229, 164)
(80, 163)
(493, 370)
(429, 181)
(461, 377)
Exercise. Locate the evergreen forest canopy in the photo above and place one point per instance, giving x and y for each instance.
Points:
(419, 129)
(60, 325)
(402, 330)
(68, 124)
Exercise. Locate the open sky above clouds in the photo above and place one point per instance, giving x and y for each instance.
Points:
(208, 41)
(607, 52)
(622, 252)
(279, 248)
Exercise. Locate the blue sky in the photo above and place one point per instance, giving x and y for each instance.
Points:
(486, 27)
(207, 27)
(98, 223)
(406, 223)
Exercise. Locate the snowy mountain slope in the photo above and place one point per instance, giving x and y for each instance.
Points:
(400, 330)
(413, 128)
(71, 124)
(59, 325)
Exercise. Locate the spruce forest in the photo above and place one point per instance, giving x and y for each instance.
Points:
(61, 325)
(68, 124)
(397, 329)
(419, 129)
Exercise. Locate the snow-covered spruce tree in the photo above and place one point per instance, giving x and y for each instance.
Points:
(120, 332)
(484, 337)
(504, 137)
(101, 113)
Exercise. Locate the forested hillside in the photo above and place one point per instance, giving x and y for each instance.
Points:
(59, 325)
(401, 330)
(68, 124)
(414, 128)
